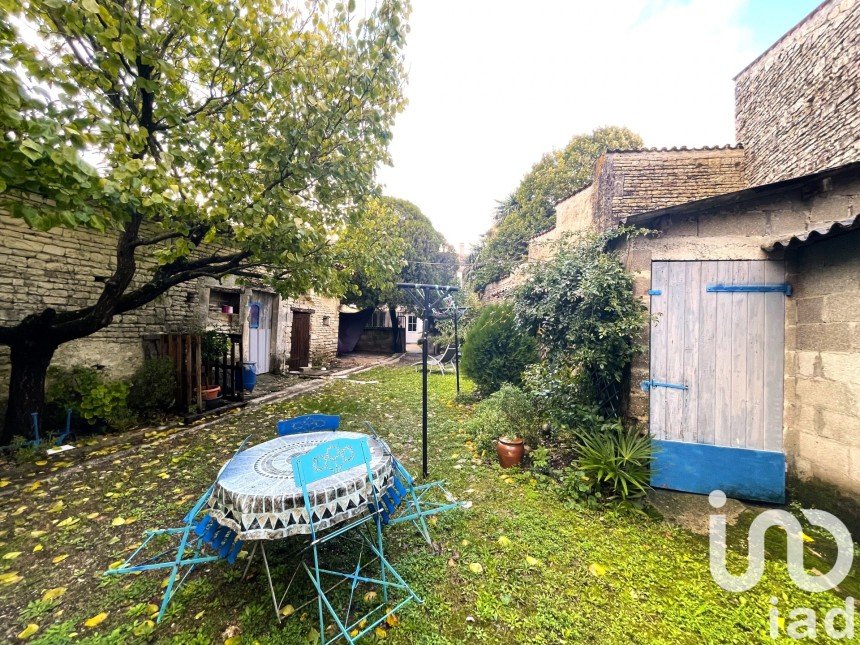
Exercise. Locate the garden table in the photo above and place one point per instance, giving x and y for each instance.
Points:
(256, 495)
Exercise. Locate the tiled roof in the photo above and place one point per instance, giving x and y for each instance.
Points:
(728, 146)
(815, 235)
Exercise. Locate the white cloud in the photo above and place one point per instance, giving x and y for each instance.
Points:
(494, 85)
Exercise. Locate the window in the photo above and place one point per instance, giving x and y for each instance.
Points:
(380, 319)
(254, 317)
(411, 322)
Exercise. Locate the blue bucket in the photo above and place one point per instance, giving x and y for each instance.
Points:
(249, 376)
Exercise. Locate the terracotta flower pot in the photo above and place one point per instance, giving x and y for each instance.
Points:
(209, 393)
(510, 451)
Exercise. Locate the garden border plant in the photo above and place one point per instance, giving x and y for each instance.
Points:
(581, 307)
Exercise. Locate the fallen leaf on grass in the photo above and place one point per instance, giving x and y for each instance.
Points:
(597, 569)
(476, 568)
(69, 521)
(532, 562)
(37, 533)
(117, 521)
(380, 633)
(10, 578)
(96, 620)
(56, 507)
(38, 547)
(28, 631)
(52, 594)
(370, 596)
(392, 620)
(115, 565)
(504, 541)
(59, 558)
(289, 610)
(11, 555)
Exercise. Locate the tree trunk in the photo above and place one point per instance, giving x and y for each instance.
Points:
(30, 361)
(395, 330)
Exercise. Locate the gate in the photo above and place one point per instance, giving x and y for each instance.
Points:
(716, 377)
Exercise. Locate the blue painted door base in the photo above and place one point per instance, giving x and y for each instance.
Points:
(741, 473)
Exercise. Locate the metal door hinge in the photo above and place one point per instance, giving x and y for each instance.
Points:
(647, 385)
(751, 288)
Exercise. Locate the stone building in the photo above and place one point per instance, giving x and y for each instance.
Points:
(732, 359)
(62, 269)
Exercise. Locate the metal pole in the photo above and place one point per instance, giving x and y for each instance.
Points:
(424, 382)
(456, 350)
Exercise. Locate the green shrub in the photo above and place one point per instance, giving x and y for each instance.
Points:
(497, 350)
(617, 459)
(94, 398)
(153, 387)
(581, 306)
(214, 346)
(508, 412)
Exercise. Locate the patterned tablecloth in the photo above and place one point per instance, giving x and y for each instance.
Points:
(256, 496)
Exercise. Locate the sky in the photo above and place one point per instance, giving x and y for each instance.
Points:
(493, 85)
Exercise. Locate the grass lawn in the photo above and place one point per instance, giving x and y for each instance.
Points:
(561, 575)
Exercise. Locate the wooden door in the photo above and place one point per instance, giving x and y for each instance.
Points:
(300, 340)
(716, 377)
(260, 330)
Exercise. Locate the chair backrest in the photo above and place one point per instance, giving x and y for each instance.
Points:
(448, 354)
(308, 423)
(330, 458)
(327, 459)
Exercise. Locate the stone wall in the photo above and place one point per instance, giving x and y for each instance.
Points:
(823, 363)
(501, 289)
(59, 269)
(574, 214)
(797, 107)
(630, 182)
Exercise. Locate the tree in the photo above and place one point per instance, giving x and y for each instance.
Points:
(530, 209)
(230, 137)
(427, 257)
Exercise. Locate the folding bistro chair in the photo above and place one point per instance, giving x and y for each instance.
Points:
(308, 423)
(403, 501)
(200, 540)
(325, 460)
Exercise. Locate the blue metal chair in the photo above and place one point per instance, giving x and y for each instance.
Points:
(308, 423)
(403, 501)
(201, 540)
(325, 460)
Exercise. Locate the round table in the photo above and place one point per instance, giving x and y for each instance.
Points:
(256, 495)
